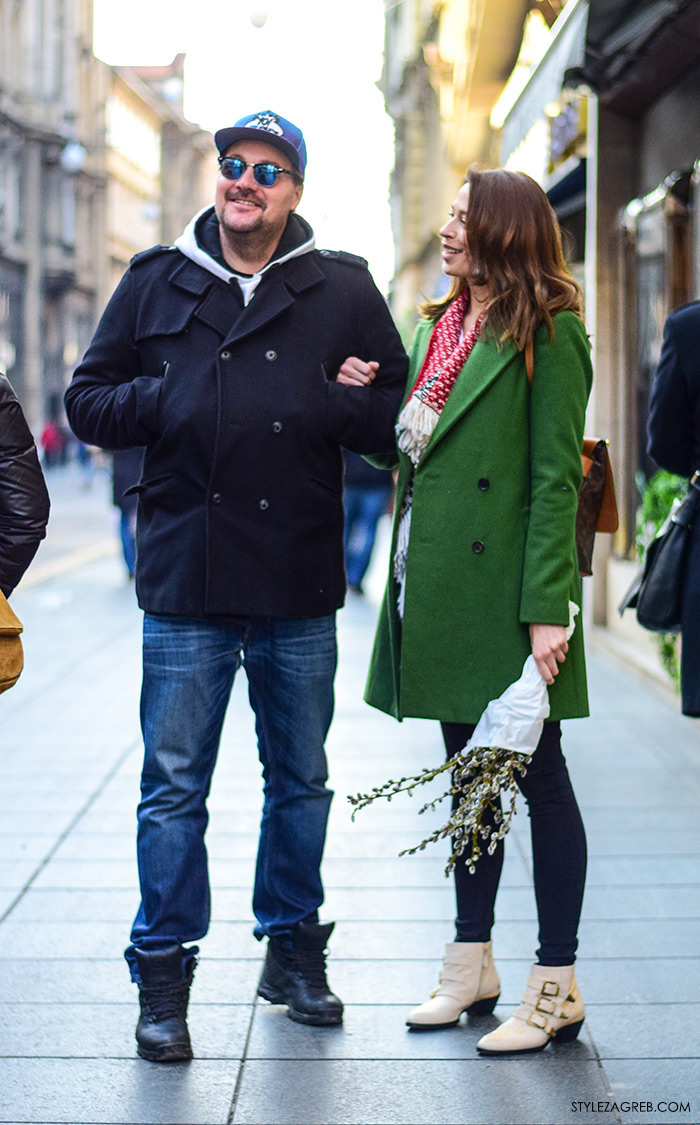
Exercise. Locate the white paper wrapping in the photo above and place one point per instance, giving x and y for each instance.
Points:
(514, 721)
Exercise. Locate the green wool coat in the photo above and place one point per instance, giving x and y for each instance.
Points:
(492, 545)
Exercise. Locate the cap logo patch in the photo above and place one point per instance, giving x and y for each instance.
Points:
(269, 122)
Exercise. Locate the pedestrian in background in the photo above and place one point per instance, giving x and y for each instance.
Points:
(484, 565)
(53, 444)
(674, 443)
(367, 493)
(219, 355)
(24, 500)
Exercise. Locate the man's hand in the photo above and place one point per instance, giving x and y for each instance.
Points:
(355, 373)
(549, 648)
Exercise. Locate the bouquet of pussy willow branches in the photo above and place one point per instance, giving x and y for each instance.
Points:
(503, 742)
(480, 776)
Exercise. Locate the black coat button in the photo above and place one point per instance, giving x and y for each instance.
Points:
(477, 547)
(277, 426)
(263, 505)
(272, 354)
(225, 355)
(484, 484)
(216, 498)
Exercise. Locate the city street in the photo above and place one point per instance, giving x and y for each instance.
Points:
(70, 753)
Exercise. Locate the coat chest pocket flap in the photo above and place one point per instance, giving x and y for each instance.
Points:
(164, 319)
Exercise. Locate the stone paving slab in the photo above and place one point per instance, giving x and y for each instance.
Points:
(370, 1092)
(91, 981)
(658, 1083)
(107, 1030)
(117, 1092)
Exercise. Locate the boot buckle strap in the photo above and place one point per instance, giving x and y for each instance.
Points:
(545, 1005)
(549, 988)
(538, 1020)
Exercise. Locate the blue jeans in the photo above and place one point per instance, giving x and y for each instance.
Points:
(364, 507)
(189, 665)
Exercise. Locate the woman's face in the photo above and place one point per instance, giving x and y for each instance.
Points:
(455, 254)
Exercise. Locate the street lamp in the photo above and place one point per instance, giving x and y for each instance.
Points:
(73, 157)
(258, 15)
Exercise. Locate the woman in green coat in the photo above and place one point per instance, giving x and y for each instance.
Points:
(484, 566)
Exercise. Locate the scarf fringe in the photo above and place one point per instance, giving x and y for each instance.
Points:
(415, 427)
(403, 534)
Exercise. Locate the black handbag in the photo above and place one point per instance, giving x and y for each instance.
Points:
(657, 591)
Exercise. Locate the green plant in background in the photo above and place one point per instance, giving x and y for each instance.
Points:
(658, 495)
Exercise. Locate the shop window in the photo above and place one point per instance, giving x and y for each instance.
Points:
(659, 279)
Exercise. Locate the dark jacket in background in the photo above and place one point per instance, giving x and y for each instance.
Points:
(674, 443)
(360, 474)
(240, 503)
(24, 500)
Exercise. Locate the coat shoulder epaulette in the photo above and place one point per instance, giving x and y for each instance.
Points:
(145, 255)
(344, 256)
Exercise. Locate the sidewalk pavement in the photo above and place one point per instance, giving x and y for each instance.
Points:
(70, 756)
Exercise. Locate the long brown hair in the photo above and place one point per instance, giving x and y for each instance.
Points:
(514, 246)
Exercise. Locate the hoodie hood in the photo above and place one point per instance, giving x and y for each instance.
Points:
(200, 243)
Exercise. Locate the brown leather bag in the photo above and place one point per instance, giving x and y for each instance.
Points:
(597, 505)
(11, 653)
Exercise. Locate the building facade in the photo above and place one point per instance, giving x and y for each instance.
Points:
(160, 166)
(445, 64)
(96, 163)
(52, 189)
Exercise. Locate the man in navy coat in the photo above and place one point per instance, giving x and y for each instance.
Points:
(219, 355)
(674, 443)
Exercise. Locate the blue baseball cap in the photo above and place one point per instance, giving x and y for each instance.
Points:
(275, 131)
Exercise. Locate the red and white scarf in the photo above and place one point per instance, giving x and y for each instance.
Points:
(447, 353)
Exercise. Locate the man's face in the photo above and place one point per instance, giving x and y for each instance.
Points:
(243, 206)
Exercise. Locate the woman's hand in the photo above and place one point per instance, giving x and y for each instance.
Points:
(549, 648)
(355, 373)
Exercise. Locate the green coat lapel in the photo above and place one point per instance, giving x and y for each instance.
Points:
(483, 367)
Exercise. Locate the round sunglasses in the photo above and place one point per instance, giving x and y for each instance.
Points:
(265, 174)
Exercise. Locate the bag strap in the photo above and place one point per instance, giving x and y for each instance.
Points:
(529, 361)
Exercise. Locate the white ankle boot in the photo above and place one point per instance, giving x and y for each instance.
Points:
(468, 983)
(551, 1008)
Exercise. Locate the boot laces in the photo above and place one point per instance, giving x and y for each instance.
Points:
(165, 1001)
(310, 964)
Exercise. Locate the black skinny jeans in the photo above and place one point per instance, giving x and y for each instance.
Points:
(558, 853)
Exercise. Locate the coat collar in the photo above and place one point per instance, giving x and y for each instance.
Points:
(485, 364)
(277, 292)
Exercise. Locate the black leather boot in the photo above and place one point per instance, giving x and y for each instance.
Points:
(296, 976)
(166, 976)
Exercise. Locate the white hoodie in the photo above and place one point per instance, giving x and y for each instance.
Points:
(189, 245)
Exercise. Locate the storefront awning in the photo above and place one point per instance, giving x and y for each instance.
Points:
(566, 190)
(545, 83)
(636, 49)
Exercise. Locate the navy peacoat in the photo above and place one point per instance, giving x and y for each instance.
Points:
(674, 443)
(240, 501)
